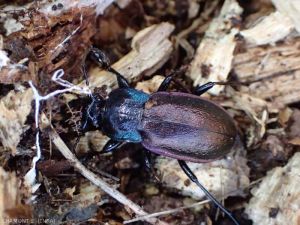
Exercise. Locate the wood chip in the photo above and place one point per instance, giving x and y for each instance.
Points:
(291, 9)
(277, 197)
(14, 109)
(295, 141)
(276, 70)
(151, 48)
(284, 116)
(9, 194)
(214, 55)
(150, 86)
(270, 29)
(223, 178)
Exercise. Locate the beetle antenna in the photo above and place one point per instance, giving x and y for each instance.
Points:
(85, 75)
(103, 62)
(236, 83)
(91, 116)
(193, 178)
(84, 71)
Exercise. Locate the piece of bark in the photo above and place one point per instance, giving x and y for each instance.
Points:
(270, 29)
(277, 199)
(214, 55)
(290, 9)
(275, 71)
(151, 48)
(14, 109)
(223, 178)
(70, 24)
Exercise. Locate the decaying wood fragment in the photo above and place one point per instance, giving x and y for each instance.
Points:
(259, 63)
(10, 198)
(275, 26)
(150, 50)
(256, 110)
(14, 109)
(277, 199)
(94, 140)
(32, 52)
(13, 72)
(223, 178)
(270, 29)
(290, 9)
(214, 55)
(280, 91)
(275, 71)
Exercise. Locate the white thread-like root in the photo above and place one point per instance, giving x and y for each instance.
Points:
(30, 177)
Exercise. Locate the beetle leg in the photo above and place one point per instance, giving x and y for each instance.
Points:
(122, 82)
(103, 62)
(199, 90)
(148, 164)
(75, 144)
(91, 117)
(193, 178)
(165, 84)
(147, 158)
(110, 146)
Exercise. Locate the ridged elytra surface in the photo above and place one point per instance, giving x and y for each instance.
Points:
(186, 127)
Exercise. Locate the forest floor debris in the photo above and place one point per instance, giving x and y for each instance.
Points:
(252, 44)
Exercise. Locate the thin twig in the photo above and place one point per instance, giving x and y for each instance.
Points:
(65, 151)
(165, 212)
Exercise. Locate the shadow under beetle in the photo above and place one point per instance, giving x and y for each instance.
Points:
(178, 125)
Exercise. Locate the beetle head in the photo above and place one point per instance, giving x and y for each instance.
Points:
(92, 115)
(99, 57)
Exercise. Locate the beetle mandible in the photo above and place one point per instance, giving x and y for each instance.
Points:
(179, 125)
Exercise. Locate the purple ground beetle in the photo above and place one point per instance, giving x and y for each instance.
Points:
(182, 126)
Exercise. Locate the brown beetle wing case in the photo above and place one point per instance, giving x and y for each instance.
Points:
(186, 127)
